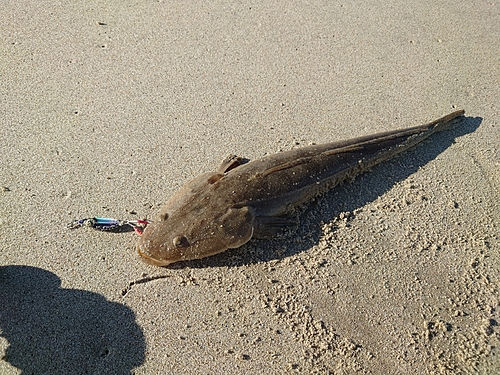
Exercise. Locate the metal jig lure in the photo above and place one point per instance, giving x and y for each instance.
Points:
(110, 225)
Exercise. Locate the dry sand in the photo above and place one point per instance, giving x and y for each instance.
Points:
(108, 107)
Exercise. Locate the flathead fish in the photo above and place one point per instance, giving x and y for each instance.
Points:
(224, 209)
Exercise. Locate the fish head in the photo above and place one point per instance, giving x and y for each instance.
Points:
(198, 221)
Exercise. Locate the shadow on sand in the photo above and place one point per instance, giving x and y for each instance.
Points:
(52, 330)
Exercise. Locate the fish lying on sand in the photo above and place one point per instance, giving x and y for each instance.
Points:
(224, 209)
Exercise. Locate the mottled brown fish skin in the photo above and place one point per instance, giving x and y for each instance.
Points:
(225, 209)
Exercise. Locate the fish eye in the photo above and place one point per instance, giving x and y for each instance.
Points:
(164, 217)
(180, 241)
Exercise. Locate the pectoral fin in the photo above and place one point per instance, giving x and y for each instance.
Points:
(268, 226)
(236, 226)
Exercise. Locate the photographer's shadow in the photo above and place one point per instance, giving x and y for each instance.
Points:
(52, 330)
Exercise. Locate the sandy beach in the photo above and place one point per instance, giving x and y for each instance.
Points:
(108, 108)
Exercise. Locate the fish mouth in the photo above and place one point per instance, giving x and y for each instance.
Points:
(150, 260)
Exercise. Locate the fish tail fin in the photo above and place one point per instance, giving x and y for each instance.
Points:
(444, 123)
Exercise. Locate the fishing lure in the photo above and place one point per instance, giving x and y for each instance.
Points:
(110, 225)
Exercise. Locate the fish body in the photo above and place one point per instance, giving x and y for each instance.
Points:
(226, 208)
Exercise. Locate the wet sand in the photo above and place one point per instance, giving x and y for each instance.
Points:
(108, 108)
